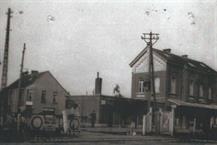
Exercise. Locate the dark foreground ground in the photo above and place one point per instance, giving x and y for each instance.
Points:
(96, 138)
(116, 143)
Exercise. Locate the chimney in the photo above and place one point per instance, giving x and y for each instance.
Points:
(185, 56)
(34, 73)
(168, 50)
(25, 73)
(98, 85)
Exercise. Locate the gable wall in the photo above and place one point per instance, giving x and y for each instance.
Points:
(140, 72)
(48, 83)
(142, 65)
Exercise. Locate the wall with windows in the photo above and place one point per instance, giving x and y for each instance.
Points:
(140, 77)
(46, 92)
(175, 79)
(190, 85)
(201, 87)
(179, 83)
(12, 99)
(139, 81)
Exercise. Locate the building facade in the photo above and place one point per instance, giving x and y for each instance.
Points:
(109, 110)
(189, 85)
(38, 91)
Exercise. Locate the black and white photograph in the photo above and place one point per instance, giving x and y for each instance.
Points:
(108, 72)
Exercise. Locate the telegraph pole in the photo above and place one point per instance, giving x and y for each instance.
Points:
(151, 39)
(21, 76)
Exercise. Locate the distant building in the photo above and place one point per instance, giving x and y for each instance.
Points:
(38, 91)
(109, 110)
(189, 85)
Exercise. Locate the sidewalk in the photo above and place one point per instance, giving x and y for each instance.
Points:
(111, 130)
(115, 135)
(94, 137)
(121, 134)
(86, 136)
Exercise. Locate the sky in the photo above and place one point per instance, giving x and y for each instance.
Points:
(76, 39)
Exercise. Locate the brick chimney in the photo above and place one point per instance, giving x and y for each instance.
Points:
(34, 73)
(98, 85)
(25, 73)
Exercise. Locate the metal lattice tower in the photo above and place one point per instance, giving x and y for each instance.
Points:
(6, 52)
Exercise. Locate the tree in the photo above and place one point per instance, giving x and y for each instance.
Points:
(116, 91)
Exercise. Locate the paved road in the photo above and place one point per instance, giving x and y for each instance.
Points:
(114, 143)
(90, 138)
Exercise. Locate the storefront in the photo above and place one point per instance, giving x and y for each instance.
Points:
(121, 111)
(194, 117)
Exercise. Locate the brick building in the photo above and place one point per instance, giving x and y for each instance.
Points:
(38, 90)
(189, 85)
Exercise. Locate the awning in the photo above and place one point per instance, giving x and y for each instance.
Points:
(188, 104)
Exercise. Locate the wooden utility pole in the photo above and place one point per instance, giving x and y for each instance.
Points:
(6, 52)
(21, 77)
(151, 39)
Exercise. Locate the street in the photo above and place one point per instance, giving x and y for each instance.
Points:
(116, 143)
(93, 138)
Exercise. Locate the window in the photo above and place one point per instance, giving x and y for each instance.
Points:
(43, 96)
(201, 91)
(203, 65)
(54, 98)
(157, 85)
(210, 93)
(21, 97)
(191, 88)
(173, 85)
(141, 86)
(29, 95)
(191, 64)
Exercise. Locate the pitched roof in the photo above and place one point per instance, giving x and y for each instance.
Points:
(139, 56)
(29, 79)
(179, 60)
(188, 104)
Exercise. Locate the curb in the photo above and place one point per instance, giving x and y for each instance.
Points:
(104, 140)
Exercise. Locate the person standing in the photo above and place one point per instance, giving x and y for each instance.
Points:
(132, 128)
(93, 118)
